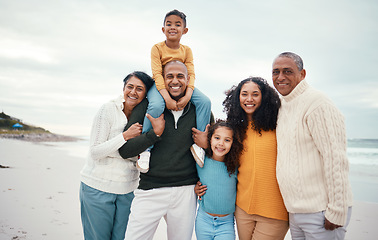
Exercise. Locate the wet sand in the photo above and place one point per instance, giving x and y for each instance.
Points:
(39, 192)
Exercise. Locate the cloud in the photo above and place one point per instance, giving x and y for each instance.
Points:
(60, 60)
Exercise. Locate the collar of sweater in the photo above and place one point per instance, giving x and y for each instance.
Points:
(119, 102)
(298, 90)
(185, 111)
(178, 114)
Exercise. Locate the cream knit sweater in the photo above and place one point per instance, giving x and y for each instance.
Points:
(312, 166)
(105, 169)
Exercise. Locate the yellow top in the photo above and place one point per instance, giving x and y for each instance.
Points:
(257, 191)
(161, 55)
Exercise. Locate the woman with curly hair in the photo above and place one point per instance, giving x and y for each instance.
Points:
(215, 216)
(252, 109)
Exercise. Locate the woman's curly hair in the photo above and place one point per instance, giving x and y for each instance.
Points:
(231, 159)
(264, 118)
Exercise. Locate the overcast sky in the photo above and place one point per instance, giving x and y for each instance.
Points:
(61, 60)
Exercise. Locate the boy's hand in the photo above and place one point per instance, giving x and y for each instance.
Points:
(181, 103)
(158, 124)
(133, 131)
(171, 104)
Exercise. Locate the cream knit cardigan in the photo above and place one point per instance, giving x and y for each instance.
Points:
(312, 166)
(105, 169)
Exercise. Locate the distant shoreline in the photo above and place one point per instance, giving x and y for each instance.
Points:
(39, 137)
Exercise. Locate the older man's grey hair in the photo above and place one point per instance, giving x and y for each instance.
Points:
(296, 58)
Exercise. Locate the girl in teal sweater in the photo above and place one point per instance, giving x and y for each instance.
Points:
(215, 215)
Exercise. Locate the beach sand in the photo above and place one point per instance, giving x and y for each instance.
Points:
(39, 192)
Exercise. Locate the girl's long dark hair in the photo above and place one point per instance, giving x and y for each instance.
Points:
(231, 159)
(263, 119)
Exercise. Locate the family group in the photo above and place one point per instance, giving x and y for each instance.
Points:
(277, 162)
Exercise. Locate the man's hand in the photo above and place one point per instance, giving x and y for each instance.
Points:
(133, 131)
(330, 226)
(200, 189)
(200, 138)
(158, 124)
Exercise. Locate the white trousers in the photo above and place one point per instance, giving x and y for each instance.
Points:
(310, 226)
(176, 204)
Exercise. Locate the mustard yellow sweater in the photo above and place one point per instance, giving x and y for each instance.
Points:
(161, 55)
(257, 191)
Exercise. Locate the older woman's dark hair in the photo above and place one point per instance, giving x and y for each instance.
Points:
(144, 77)
(231, 159)
(264, 118)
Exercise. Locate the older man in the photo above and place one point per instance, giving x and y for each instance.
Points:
(167, 189)
(312, 166)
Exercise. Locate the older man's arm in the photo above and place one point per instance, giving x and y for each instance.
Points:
(327, 128)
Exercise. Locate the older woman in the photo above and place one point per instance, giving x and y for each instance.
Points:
(252, 108)
(108, 180)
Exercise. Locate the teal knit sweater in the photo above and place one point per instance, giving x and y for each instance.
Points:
(220, 195)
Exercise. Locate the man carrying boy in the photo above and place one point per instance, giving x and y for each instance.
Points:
(312, 166)
(159, 98)
(167, 189)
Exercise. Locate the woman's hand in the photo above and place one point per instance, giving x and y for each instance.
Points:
(200, 189)
(133, 131)
(158, 124)
(200, 138)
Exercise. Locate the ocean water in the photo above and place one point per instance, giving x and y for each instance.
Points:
(363, 174)
(78, 148)
(363, 151)
(359, 151)
(362, 155)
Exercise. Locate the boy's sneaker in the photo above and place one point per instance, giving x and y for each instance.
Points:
(198, 154)
(143, 162)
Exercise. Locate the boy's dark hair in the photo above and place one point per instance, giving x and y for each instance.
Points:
(177, 13)
(231, 160)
